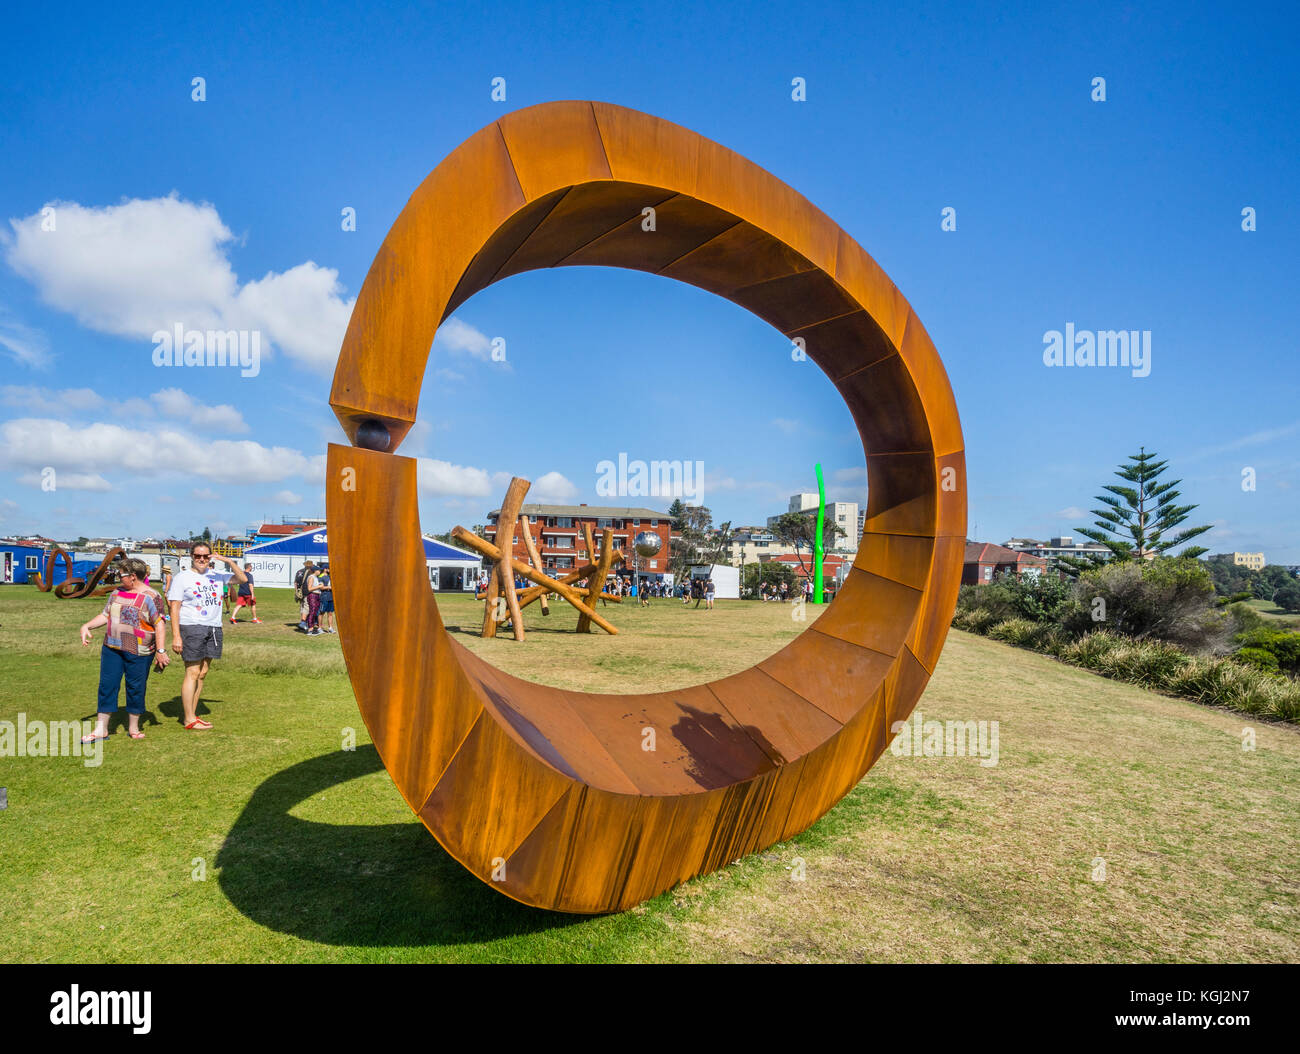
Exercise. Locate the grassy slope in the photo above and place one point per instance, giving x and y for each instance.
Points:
(1274, 615)
(311, 854)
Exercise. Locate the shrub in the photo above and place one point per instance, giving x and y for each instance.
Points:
(1283, 648)
(1244, 618)
(1166, 598)
(1259, 658)
(977, 621)
(1150, 663)
(1019, 631)
(1288, 597)
(994, 598)
(1090, 650)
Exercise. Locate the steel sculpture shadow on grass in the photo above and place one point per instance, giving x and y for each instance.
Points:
(549, 795)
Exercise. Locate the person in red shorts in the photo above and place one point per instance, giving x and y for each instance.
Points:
(246, 599)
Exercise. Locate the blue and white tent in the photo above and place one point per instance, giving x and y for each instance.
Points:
(275, 563)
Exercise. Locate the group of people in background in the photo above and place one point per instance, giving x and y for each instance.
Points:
(783, 591)
(698, 589)
(315, 596)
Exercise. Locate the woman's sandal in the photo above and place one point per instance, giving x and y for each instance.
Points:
(135, 735)
(93, 736)
(198, 724)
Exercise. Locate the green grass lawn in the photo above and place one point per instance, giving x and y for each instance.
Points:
(1274, 615)
(309, 854)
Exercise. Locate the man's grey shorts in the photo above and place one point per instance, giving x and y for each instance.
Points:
(200, 642)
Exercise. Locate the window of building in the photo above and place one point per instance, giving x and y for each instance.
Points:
(604, 521)
(654, 563)
(32, 563)
(654, 523)
(636, 523)
(564, 561)
(988, 574)
(563, 521)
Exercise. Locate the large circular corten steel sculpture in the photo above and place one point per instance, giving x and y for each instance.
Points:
(548, 795)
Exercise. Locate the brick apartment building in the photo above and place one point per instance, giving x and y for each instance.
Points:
(557, 532)
(985, 561)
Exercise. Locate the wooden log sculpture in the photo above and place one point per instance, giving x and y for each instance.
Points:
(594, 574)
(76, 588)
(502, 577)
(548, 795)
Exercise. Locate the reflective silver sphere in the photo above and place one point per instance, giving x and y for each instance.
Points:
(648, 543)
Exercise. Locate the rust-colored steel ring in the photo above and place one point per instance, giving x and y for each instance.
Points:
(548, 795)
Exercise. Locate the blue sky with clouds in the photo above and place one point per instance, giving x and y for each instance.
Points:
(225, 213)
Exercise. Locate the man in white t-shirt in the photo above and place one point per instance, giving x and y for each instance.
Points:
(195, 598)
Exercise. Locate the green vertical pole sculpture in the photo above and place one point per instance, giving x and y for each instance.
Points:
(819, 547)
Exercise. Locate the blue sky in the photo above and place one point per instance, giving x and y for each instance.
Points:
(1122, 214)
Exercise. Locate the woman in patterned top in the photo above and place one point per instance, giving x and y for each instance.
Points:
(137, 635)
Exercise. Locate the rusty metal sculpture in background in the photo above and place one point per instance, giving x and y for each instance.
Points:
(76, 588)
(551, 796)
(56, 552)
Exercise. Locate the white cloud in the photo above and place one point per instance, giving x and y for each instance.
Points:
(37, 442)
(173, 402)
(1262, 437)
(1073, 512)
(45, 401)
(786, 424)
(448, 375)
(145, 265)
(460, 338)
(27, 346)
(442, 477)
(68, 481)
(552, 487)
(204, 494)
(286, 497)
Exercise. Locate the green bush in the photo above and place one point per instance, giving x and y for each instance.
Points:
(994, 598)
(1244, 618)
(1150, 663)
(1166, 598)
(1281, 645)
(1091, 650)
(1288, 597)
(1019, 631)
(1259, 658)
(976, 621)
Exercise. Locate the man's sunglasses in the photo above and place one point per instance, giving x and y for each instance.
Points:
(203, 556)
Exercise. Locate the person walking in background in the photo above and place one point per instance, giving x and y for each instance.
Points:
(312, 591)
(246, 597)
(326, 600)
(195, 598)
(136, 637)
(708, 593)
(300, 592)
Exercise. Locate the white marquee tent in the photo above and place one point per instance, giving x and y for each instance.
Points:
(276, 562)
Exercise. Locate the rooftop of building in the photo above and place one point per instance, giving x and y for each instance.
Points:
(598, 511)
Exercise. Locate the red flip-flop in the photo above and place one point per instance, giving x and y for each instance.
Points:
(199, 725)
(135, 735)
